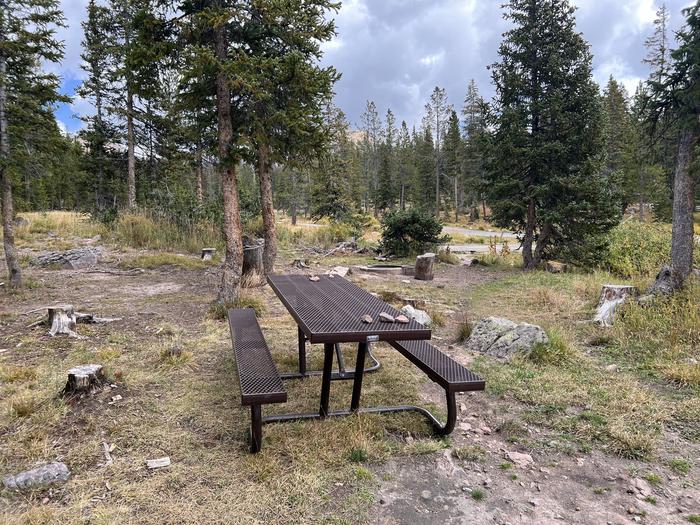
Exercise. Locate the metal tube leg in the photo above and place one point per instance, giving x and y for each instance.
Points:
(341, 359)
(302, 352)
(255, 428)
(359, 373)
(328, 349)
(449, 426)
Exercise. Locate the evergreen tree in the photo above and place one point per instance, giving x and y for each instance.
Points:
(620, 165)
(386, 193)
(545, 181)
(425, 161)
(437, 111)
(675, 97)
(27, 95)
(453, 156)
(371, 128)
(475, 136)
(405, 163)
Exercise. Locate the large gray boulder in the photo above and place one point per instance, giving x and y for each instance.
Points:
(75, 259)
(38, 478)
(504, 339)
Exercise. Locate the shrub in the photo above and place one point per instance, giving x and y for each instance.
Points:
(411, 232)
(464, 329)
(637, 249)
(447, 257)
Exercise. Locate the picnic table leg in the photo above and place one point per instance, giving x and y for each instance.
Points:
(255, 428)
(328, 349)
(359, 373)
(302, 352)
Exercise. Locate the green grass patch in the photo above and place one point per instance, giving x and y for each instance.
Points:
(219, 311)
(680, 466)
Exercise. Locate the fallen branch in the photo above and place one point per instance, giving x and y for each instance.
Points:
(135, 271)
(108, 456)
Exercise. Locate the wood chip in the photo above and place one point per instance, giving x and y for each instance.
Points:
(402, 319)
(158, 463)
(315, 278)
(366, 319)
(386, 318)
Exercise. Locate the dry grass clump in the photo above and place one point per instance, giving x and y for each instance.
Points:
(447, 257)
(464, 329)
(63, 223)
(219, 311)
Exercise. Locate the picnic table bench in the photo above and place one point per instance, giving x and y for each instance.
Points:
(329, 311)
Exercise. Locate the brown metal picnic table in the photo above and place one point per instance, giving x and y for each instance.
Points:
(329, 311)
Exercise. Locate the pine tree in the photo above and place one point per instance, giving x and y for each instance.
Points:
(386, 194)
(27, 94)
(453, 156)
(675, 97)
(371, 128)
(437, 111)
(620, 165)
(425, 161)
(475, 136)
(545, 179)
(405, 164)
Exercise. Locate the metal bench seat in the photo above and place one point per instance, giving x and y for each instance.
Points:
(257, 374)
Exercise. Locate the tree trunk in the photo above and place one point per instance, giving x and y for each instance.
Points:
(542, 241)
(294, 198)
(456, 201)
(529, 239)
(268, 209)
(131, 156)
(199, 171)
(683, 199)
(231, 278)
(13, 267)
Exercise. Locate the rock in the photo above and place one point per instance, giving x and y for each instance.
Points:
(340, 271)
(612, 369)
(520, 460)
(386, 318)
(611, 297)
(486, 431)
(75, 259)
(37, 478)
(366, 319)
(556, 267)
(158, 463)
(641, 487)
(416, 303)
(424, 267)
(503, 338)
(314, 278)
(208, 254)
(417, 315)
(426, 495)
(402, 319)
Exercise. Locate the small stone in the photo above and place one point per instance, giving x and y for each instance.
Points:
(314, 278)
(39, 477)
(486, 431)
(409, 440)
(426, 495)
(462, 407)
(158, 463)
(116, 398)
(641, 487)
(402, 319)
(534, 502)
(386, 318)
(366, 319)
(520, 460)
(612, 369)
(465, 427)
(405, 281)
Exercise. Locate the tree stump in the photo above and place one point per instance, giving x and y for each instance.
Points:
(208, 254)
(84, 378)
(611, 297)
(424, 267)
(253, 269)
(667, 281)
(62, 320)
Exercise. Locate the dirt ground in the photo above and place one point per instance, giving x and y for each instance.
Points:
(468, 478)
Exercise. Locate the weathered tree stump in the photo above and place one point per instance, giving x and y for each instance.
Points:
(667, 281)
(208, 254)
(253, 269)
(62, 320)
(611, 297)
(84, 378)
(424, 267)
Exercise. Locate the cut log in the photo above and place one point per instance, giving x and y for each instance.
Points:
(62, 321)
(611, 297)
(76, 259)
(424, 267)
(93, 319)
(208, 254)
(253, 256)
(84, 378)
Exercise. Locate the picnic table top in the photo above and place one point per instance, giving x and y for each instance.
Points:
(330, 310)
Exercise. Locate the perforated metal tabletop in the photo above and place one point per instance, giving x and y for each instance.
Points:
(330, 310)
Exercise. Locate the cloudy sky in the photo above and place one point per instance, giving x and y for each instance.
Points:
(396, 51)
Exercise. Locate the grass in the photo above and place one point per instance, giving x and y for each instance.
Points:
(694, 518)
(219, 311)
(464, 329)
(680, 466)
(470, 453)
(478, 494)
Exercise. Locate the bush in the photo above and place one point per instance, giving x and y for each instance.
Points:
(411, 232)
(637, 249)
